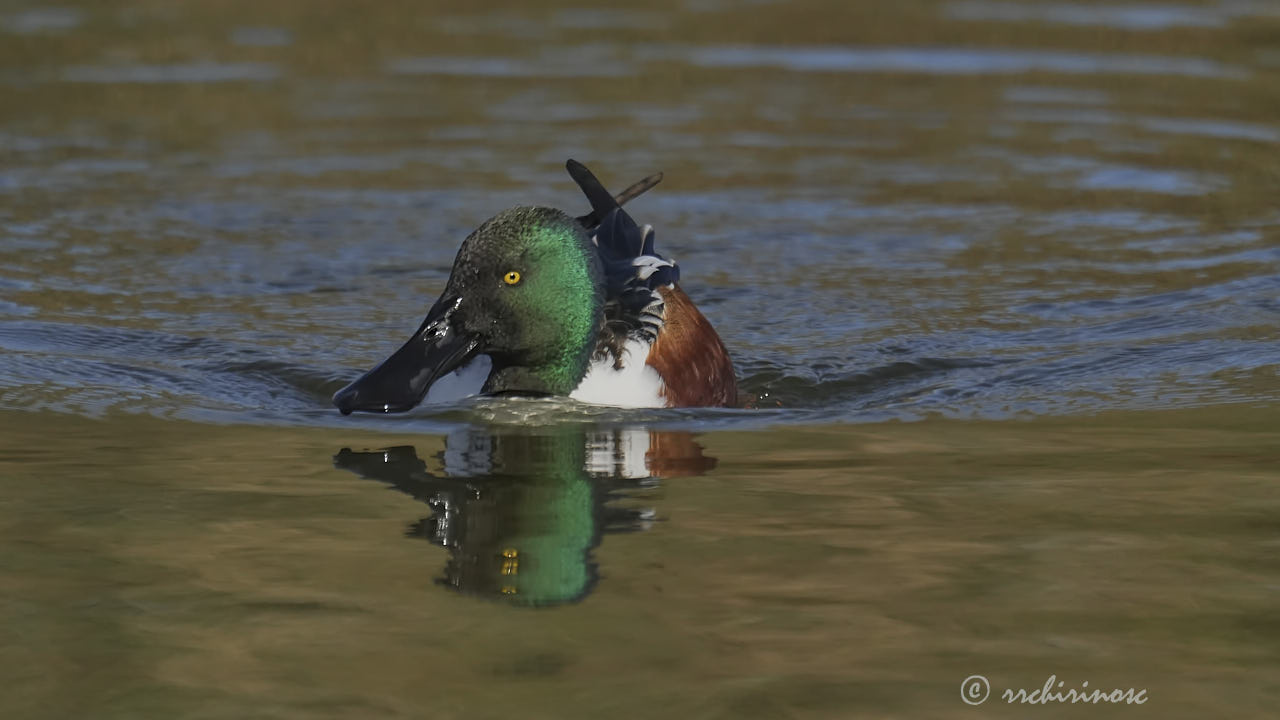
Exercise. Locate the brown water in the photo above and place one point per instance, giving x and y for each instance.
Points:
(1005, 276)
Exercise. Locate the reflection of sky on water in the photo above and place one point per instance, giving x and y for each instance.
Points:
(1124, 17)
(954, 61)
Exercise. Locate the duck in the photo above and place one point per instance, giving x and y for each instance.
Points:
(540, 303)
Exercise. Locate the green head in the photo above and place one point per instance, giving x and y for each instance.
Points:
(533, 292)
(527, 290)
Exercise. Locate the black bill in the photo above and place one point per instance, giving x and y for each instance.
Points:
(401, 381)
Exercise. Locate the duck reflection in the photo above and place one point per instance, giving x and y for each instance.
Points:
(521, 511)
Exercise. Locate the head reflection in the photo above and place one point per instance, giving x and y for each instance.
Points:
(521, 510)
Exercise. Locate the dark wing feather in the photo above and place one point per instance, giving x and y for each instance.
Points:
(633, 269)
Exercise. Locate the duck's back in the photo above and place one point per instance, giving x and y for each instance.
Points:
(655, 349)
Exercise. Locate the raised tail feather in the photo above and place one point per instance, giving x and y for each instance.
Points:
(602, 202)
(617, 235)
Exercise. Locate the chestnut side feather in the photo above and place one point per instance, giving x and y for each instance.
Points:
(689, 356)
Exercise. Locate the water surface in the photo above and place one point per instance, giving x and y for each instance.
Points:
(1002, 278)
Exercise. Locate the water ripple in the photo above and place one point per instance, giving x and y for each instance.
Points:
(195, 73)
(955, 61)
(1126, 17)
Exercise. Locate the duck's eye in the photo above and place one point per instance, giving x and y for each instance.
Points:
(511, 278)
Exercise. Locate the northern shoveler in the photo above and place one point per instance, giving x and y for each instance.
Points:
(540, 303)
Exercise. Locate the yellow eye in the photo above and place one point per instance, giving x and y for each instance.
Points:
(511, 278)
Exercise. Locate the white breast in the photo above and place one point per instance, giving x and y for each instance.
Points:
(636, 385)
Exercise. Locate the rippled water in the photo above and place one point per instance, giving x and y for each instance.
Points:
(1045, 234)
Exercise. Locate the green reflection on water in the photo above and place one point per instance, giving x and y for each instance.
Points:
(520, 512)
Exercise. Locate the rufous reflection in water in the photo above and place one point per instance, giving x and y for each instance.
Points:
(522, 512)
